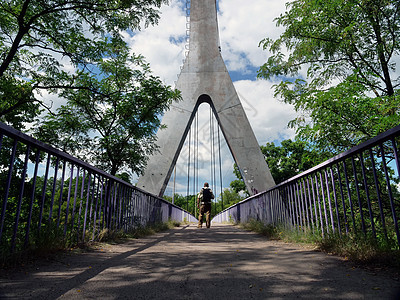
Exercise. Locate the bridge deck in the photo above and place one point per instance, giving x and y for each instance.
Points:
(188, 263)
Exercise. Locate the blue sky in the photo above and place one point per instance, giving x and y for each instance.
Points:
(242, 25)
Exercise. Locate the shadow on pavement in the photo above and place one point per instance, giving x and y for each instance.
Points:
(189, 263)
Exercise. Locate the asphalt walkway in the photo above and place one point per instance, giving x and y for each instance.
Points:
(223, 262)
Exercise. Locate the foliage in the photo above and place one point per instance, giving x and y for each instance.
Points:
(120, 236)
(17, 102)
(348, 50)
(285, 161)
(38, 37)
(188, 203)
(291, 158)
(268, 230)
(357, 248)
(55, 211)
(113, 115)
(51, 240)
(228, 198)
(238, 184)
(124, 176)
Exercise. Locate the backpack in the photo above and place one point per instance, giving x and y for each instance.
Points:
(207, 195)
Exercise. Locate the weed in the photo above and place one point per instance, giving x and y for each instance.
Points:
(48, 240)
(357, 248)
(267, 230)
(360, 248)
(118, 236)
(231, 220)
(51, 240)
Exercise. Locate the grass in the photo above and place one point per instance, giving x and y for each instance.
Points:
(356, 248)
(51, 241)
(267, 230)
(360, 249)
(117, 236)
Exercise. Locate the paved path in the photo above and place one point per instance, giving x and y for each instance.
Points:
(223, 262)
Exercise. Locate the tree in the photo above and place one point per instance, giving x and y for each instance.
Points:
(238, 184)
(17, 102)
(229, 197)
(188, 203)
(349, 92)
(285, 161)
(291, 158)
(111, 116)
(36, 36)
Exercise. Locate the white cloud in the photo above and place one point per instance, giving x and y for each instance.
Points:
(242, 26)
(163, 45)
(267, 116)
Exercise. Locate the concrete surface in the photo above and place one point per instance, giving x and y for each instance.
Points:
(223, 262)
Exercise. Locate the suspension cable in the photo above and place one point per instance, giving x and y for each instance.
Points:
(220, 169)
(193, 160)
(194, 163)
(214, 181)
(173, 190)
(197, 153)
(214, 166)
(211, 151)
(188, 173)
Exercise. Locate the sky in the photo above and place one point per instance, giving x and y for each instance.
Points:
(242, 25)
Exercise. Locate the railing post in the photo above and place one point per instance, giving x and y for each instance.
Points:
(396, 225)
(358, 195)
(28, 225)
(80, 204)
(342, 196)
(336, 201)
(68, 199)
(53, 190)
(349, 195)
(7, 190)
(310, 203)
(75, 196)
(86, 207)
(319, 205)
(44, 192)
(21, 193)
(329, 200)
(371, 217)
(61, 194)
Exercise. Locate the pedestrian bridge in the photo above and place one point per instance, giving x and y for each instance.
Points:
(222, 262)
(47, 192)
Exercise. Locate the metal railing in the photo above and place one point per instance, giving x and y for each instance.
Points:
(45, 191)
(354, 192)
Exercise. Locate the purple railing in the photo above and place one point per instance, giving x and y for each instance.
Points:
(357, 191)
(46, 191)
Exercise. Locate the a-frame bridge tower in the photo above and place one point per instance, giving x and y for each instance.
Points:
(204, 78)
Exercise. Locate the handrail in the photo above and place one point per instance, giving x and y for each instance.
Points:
(393, 132)
(355, 192)
(26, 139)
(48, 191)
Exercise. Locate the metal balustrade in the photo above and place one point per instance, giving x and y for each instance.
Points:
(354, 192)
(45, 191)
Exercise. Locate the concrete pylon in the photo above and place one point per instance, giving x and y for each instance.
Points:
(204, 78)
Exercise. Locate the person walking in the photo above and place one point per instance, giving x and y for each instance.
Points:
(204, 204)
